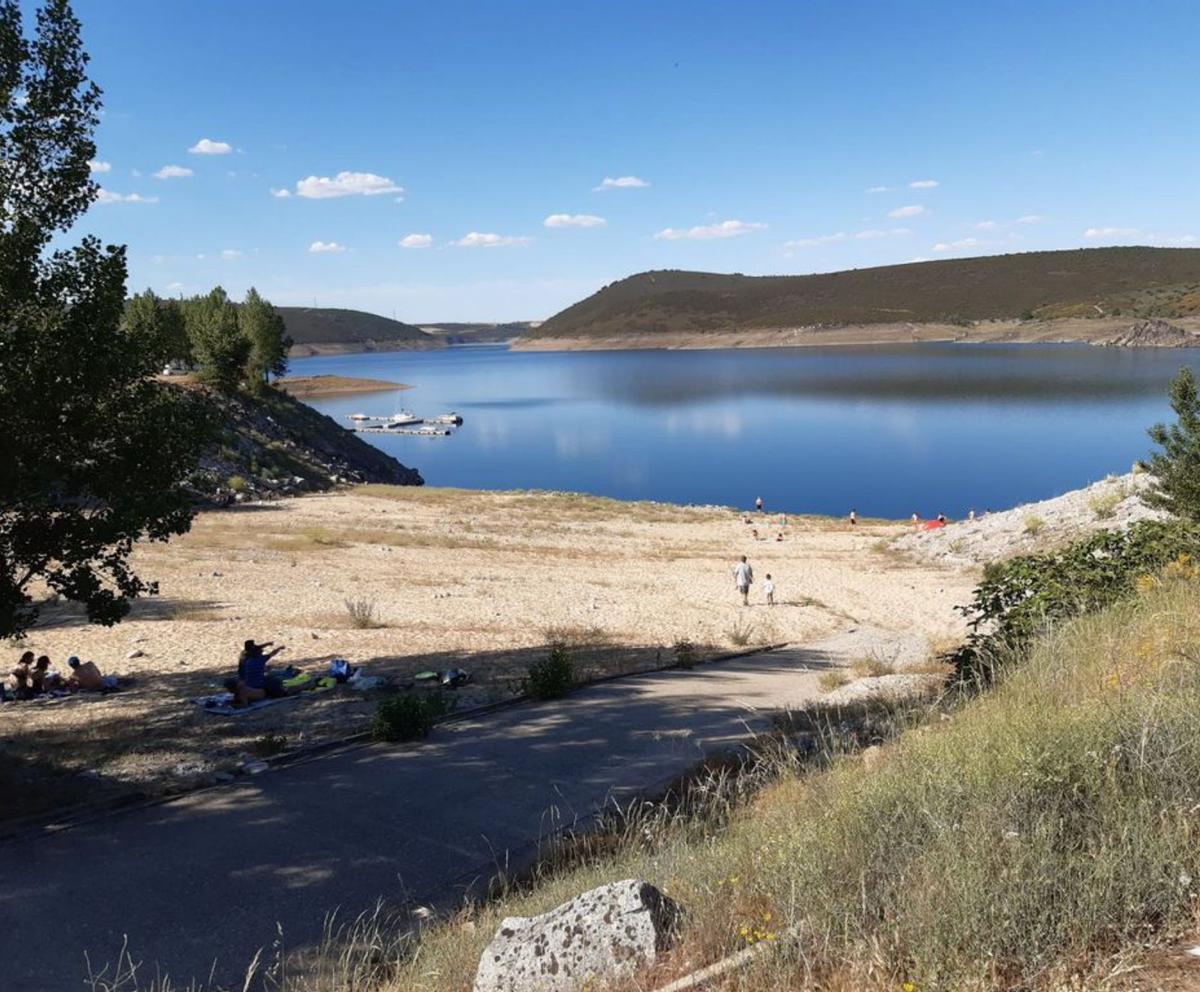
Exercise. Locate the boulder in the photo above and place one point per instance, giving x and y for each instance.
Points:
(602, 935)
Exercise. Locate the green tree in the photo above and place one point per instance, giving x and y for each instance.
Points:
(1176, 469)
(269, 343)
(93, 452)
(220, 348)
(158, 326)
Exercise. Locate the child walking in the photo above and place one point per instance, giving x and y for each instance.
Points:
(769, 589)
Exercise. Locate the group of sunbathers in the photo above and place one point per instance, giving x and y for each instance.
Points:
(34, 677)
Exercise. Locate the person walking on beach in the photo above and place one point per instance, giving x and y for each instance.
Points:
(769, 589)
(743, 575)
(758, 504)
(853, 518)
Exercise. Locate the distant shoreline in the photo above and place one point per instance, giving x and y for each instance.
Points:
(304, 386)
(1097, 331)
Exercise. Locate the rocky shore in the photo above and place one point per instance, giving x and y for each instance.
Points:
(1111, 504)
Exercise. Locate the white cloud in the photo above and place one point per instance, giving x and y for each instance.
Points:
(108, 196)
(280, 194)
(706, 232)
(872, 233)
(174, 287)
(326, 247)
(416, 241)
(574, 220)
(924, 184)
(913, 211)
(206, 146)
(960, 245)
(346, 184)
(477, 239)
(820, 239)
(1110, 232)
(229, 254)
(986, 225)
(1030, 219)
(173, 172)
(621, 182)
(879, 189)
(97, 167)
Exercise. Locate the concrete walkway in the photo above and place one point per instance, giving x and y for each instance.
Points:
(208, 877)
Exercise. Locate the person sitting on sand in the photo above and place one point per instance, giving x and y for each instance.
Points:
(43, 678)
(22, 677)
(253, 681)
(941, 518)
(85, 676)
(743, 575)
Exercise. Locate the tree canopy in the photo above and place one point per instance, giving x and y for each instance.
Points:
(1176, 469)
(94, 452)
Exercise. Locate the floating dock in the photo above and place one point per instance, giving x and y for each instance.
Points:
(426, 431)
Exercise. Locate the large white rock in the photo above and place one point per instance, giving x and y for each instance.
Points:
(604, 934)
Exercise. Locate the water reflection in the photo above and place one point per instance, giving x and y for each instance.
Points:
(888, 430)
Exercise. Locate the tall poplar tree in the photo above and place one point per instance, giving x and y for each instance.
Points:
(93, 451)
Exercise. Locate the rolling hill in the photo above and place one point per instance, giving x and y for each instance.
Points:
(465, 333)
(1095, 282)
(318, 330)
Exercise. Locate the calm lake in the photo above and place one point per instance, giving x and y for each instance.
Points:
(888, 430)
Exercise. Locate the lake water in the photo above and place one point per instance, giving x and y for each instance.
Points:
(889, 430)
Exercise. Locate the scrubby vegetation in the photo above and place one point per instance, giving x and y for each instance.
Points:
(553, 676)
(1031, 285)
(408, 718)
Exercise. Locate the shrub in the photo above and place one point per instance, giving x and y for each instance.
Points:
(1176, 468)
(361, 613)
(872, 666)
(685, 653)
(833, 679)
(1034, 524)
(1019, 597)
(408, 718)
(270, 744)
(1104, 506)
(237, 483)
(551, 677)
(740, 633)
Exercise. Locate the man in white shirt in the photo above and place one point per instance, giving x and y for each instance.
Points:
(743, 575)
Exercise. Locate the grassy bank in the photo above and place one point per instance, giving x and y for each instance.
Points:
(1038, 832)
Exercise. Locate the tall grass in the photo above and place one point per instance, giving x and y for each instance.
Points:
(1047, 825)
(1013, 840)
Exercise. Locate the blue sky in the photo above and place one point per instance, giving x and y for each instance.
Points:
(763, 137)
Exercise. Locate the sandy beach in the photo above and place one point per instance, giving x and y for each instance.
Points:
(305, 386)
(455, 578)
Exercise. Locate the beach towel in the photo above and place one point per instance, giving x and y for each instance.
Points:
(221, 703)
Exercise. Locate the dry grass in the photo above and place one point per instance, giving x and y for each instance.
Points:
(834, 679)
(872, 666)
(1046, 828)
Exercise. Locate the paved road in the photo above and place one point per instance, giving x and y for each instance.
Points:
(207, 877)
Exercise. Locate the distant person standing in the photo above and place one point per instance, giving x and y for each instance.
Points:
(758, 504)
(769, 589)
(970, 514)
(915, 519)
(743, 576)
(853, 518)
